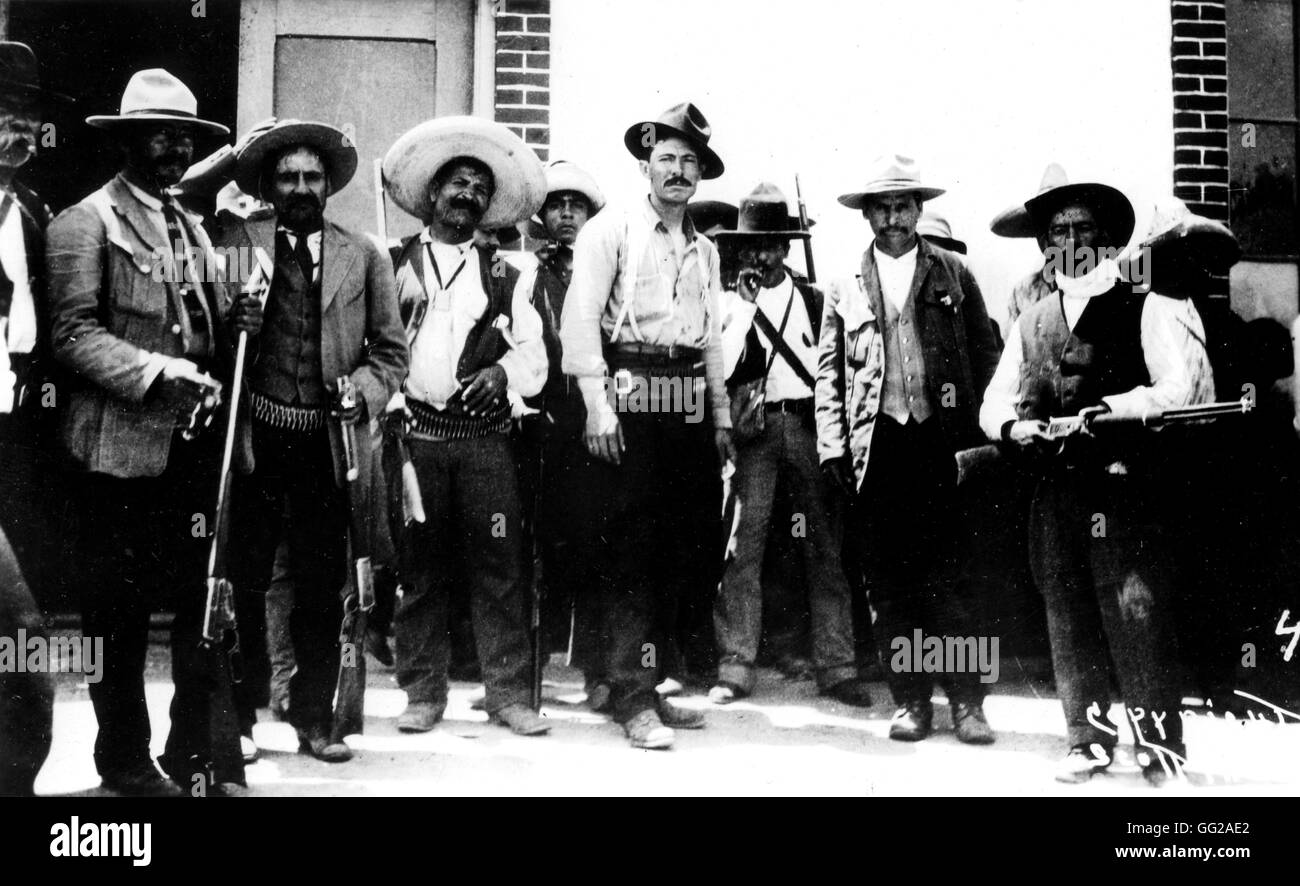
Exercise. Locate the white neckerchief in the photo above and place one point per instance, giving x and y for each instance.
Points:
(1075, 291)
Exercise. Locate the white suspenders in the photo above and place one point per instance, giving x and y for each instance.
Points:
(635, 242)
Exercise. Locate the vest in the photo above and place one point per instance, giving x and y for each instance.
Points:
(288, 367)
(549, 289)
(1063, 371)
(905, 392)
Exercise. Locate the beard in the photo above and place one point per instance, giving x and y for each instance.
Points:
(17, 139)
(303, 214)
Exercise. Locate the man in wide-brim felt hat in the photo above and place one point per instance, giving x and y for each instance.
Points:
(331, 311)
(140, 311)
(770, 326)
(474, 338)
(642, 313)
(905, 357)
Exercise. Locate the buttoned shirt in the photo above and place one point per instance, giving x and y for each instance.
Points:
(454, 308)
(738, 318)
(668, 296)
(20, 334)
(895, 275)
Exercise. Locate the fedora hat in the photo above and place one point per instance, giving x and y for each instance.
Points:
(156, 95)
(711, 217)
(561, 176)
(418, 154)
(1055, 191)
(764, 212)
(19, 73)
(890, 174)
(332, 144)
(685, 121)
(935, 228)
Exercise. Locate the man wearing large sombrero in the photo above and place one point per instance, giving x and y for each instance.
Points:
(140, 316)
(26, 699)
(331, 311)
(1096, 345)
(474, 338)
(642, 315)
(770, 326)
(905, 357)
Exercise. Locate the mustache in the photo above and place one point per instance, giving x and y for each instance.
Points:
(675, 181)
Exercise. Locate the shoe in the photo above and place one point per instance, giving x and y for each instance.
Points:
(970, 725)
(377, 646)
(669, 686)
(420, 716)
(599, 697)
(647, 731)
(679, 718)
(249, 749)
(726, 693)
(522, 720)
(1083, 762)
(140, 781)
(795, 668)
(912, 722)
(853, 692)
(318, 744)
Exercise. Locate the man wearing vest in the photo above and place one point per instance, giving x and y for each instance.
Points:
(905, 357)
(330, 312)
(1096, 346)
(770, 325)
(642, 316)
(551, 450)
(474, 337)
(26, 699)
(142, 324)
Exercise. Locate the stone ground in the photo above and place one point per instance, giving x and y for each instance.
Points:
(785, 740)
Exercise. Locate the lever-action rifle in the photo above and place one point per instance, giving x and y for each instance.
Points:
(1058, 428)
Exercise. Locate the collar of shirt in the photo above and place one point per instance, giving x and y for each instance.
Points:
(149, 200)
(896, 274)
(657, 223)
(313, 241)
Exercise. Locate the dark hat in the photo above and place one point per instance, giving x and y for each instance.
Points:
(19, 73)
(764, 212)
(333, 144)
(1113, 209)
(683, 121)
(935, 228)
(712, 216)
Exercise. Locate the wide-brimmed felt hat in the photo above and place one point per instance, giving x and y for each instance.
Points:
(890, 174)
(19, 72)
(155, 95)
(764, 212)
(1112, 208)
(562, 176)
(1181, 245)
(418, 154)
(685, 121)
(710, 217)
(935, 228)
(209, 175)
(334, 145)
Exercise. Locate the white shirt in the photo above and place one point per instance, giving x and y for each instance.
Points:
(453, 310)
(737, 319)
(313, 247)
(895, 275)
(20, 335)
(1173, 345)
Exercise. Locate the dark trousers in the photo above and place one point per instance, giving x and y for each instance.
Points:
(1104, 570)
(907, 530)
(292, 497)
(474, 535)
(786, 448)
(659, 515)
(26, 699)
(145, 545)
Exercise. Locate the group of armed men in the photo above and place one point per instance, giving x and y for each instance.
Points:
(585, 408)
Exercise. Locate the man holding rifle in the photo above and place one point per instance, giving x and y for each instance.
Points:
(331, 313)
(770, 327)
(1096, 350)
(145, 328)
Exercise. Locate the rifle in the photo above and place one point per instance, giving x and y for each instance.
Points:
(535, 600)
(219, 640)
(1059, 428)
(803, 226)
(359, 589)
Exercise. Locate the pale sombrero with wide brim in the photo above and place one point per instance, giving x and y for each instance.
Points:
(562, 176)
(418, 154)
(331, 143)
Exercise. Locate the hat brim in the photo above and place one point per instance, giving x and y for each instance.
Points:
(1115, 209)
(858, 199)
(1015, 222)
(1203, 241)
(949, 243)
(117, 121)
(795, 234)
(634, 137)
(340, 154)
(34, 90)
(413, 160)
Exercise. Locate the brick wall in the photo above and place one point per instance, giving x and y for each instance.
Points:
(523, 70)
(1200, 65)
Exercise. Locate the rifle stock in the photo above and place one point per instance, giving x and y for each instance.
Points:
(358, 591)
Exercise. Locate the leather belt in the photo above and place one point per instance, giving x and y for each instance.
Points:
(641, 354)
(800, 407)
(282, 416)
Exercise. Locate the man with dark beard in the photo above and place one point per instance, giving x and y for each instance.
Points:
(331, 312)
(26, 699)
(140, 319)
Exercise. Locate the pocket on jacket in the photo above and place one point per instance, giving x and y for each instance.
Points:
(858, 343)
(131, 278)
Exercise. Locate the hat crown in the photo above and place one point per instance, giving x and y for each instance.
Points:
(1053, 177)
(935, 225)
(764, 210)
(18, 64)
(1166, 215)
(890, 168)
(156, 90)
(688, 119)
